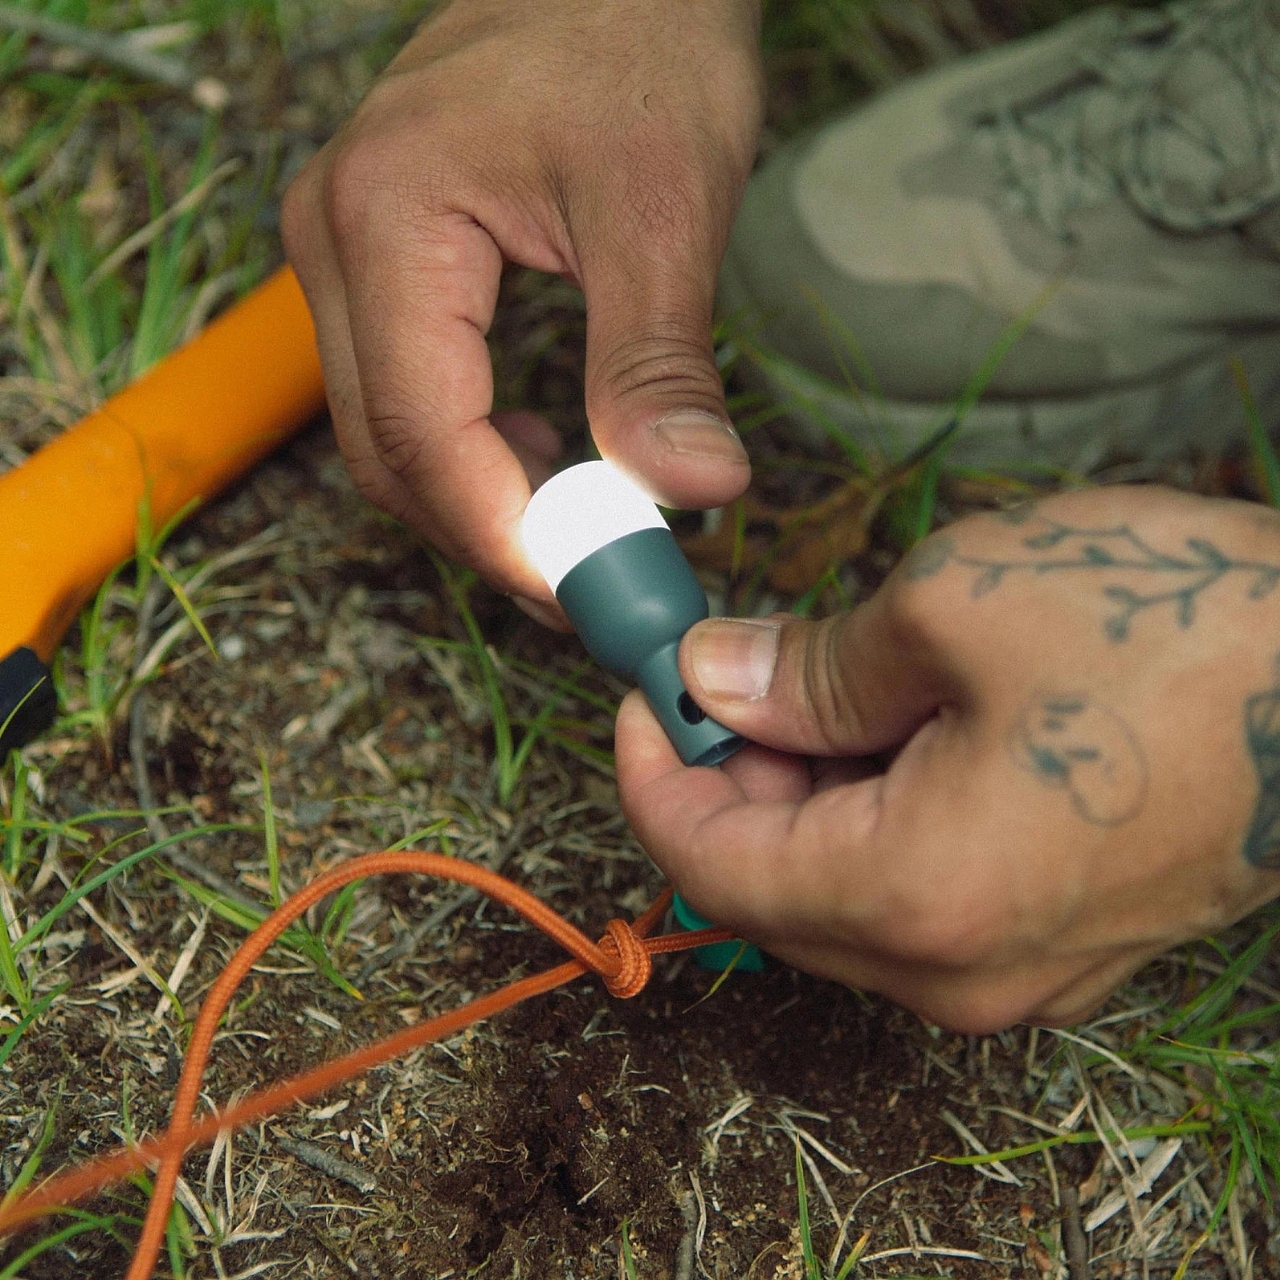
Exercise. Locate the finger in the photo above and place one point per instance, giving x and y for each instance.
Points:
(763, 774)
(848, 883)
(548, 614)
(534, 441)
(311, 255)
(536, 445)
(765, 866)
(421, 288)
(851, 684)
(654, 396)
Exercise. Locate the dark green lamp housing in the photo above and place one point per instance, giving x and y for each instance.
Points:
(606, 552)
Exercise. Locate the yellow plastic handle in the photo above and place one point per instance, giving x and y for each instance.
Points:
(201, 418)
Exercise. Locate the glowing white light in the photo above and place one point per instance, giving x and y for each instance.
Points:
(580, 510)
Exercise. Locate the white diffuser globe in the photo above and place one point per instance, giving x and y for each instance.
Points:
(580, 510)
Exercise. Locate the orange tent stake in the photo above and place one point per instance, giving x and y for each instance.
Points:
(198, 420)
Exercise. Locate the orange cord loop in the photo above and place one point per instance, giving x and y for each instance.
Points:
(634, 964)
(622, 959)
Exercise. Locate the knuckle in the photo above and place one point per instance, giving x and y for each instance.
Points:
(979, 1010)
(381, 171)
(658, 364)
(372, 480)
(300, 216)
(389, 493)
(658, 205)
(951, 939)
(399, 443)
(681, 179)
(831, 702)
(350, 188)
(947, 926)
(919, 608)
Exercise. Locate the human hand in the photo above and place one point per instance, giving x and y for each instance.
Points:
(606, 140)
(1081, 701)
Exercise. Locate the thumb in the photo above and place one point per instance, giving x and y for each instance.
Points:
(654, 396)
(853, 684)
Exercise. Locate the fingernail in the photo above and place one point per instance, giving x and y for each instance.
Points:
(692, 431)
(735, 657)
(539, 612)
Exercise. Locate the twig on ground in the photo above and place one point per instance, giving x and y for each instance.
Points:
(318, 1158)
(686, 1252)
(1073, 1237)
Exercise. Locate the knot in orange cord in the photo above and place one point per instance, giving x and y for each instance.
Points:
(634, 962)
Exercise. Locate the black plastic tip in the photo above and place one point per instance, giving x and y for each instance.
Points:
(28, 703)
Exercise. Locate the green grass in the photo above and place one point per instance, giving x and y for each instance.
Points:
(628, 1257)
(20, 955)
(109, 629)
(813, 1267)
(511, 756)
(89, 316)
(1214, 1033)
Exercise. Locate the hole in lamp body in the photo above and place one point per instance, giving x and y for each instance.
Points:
(689, 709)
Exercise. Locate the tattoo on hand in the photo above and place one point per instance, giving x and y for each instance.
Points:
(1074, 744)
(1262, 734)
(1149, 577)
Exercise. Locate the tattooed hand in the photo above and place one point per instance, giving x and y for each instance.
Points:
(1047, 750)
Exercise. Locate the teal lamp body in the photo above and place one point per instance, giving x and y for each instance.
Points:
(606, 552)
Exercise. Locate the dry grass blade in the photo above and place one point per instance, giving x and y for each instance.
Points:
(927, 1251)
(1105, 1125)
(847, 1222)
(997, 1170)
(1148, 1172)
(181, 966)
(118, 939)
(738, 1107)
(141, 238)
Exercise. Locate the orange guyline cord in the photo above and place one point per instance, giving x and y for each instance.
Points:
(622, 958)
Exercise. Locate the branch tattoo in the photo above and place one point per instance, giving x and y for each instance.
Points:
(1077, 745)
(1262, 733)
(1153, 578)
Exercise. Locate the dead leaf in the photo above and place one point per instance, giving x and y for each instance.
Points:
(795, 545)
